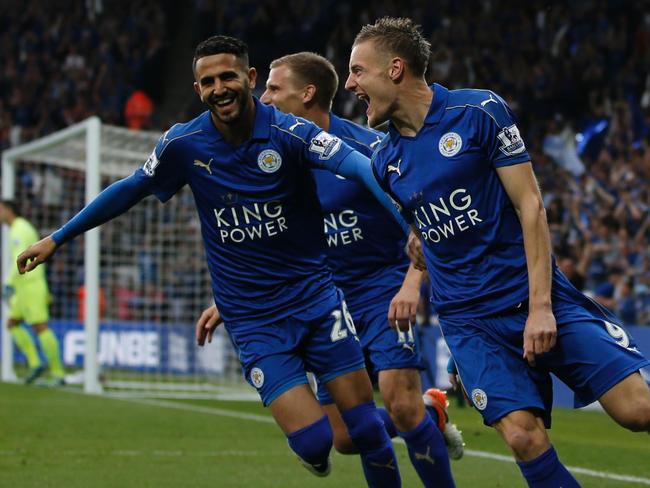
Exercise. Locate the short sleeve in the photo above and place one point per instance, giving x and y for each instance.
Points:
(163, 170)
(319, 149)
(500, 134)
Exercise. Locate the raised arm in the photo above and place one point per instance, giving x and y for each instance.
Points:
(357, 167)
(113, 201)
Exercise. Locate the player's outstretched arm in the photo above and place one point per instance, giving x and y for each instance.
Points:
(37, 253)
(116, 199)
(207, 323)
(113, 201)
(540, 332)
(357, 167)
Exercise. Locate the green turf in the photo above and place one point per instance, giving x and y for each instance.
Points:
(54, 438)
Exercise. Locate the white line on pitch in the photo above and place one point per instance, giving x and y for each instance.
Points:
(224, 412)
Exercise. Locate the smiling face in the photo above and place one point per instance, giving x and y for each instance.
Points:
(283, 91)
(370, 81)
(224, 84)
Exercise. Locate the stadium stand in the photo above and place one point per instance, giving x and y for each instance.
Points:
(575, 73)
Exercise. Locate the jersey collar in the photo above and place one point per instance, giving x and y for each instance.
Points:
(436, 110)
(263, 118)
(438, 104)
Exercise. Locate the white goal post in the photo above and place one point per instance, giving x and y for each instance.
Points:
(127, 319)
(86, 151)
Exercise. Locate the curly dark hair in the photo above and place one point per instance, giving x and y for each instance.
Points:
(221, 45)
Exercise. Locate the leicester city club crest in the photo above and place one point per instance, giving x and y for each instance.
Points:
(479, 398)
(450, 144)
(269, 161)
(257, 377)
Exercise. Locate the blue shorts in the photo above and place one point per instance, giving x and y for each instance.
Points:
(591, 356)
(276, 356)
(383, 347)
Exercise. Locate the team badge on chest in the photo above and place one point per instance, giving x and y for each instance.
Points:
(450, 144)
(269, 161)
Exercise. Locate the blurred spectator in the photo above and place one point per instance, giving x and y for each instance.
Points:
(81, 301)
(138, 110)
(575, 73)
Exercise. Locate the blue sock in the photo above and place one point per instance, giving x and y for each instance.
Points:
(433, 413)
(546, 471)
(313, 443)
(389, 425)
(428, 453)
(377, 455)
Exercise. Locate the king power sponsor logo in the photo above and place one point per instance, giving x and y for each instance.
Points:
(249, 222)
(447, 217)
(341, 228)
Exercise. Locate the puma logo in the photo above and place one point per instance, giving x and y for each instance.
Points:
(297, 124)
(395, 167)
(198, 162)
(485, 102)
(373, 144)
(410, 347)
(389, 465)
(425, 457)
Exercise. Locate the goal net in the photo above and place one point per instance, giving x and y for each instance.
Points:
(125, 297)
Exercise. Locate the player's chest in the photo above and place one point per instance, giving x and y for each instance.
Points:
(435, 164)
(253, 167)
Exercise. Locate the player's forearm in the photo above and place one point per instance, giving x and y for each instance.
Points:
(357, 167)
(413, 278)
(113, 201)
(537, 245)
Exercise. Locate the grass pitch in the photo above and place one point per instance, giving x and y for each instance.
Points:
(60, 438)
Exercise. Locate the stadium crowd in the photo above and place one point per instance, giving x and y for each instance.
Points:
(574, 73)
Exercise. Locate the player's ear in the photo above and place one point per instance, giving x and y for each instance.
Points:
(252, 77)
(197, 89)
(308, 94)
(397, 68)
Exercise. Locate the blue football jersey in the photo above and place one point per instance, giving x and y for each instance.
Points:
(365, 245)
(260, 217)
(445, 177)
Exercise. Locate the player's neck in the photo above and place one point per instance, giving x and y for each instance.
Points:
(319, 117)
(413, 104)
(241, 130)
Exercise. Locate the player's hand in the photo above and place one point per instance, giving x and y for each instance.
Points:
(414, 251)
(404, 307)
(540, 334)
(207, 323)
(36, 254)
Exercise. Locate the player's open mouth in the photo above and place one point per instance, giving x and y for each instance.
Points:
(224, 102)
(364, 98)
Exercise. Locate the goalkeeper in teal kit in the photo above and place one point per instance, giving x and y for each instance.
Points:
(28, 298)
